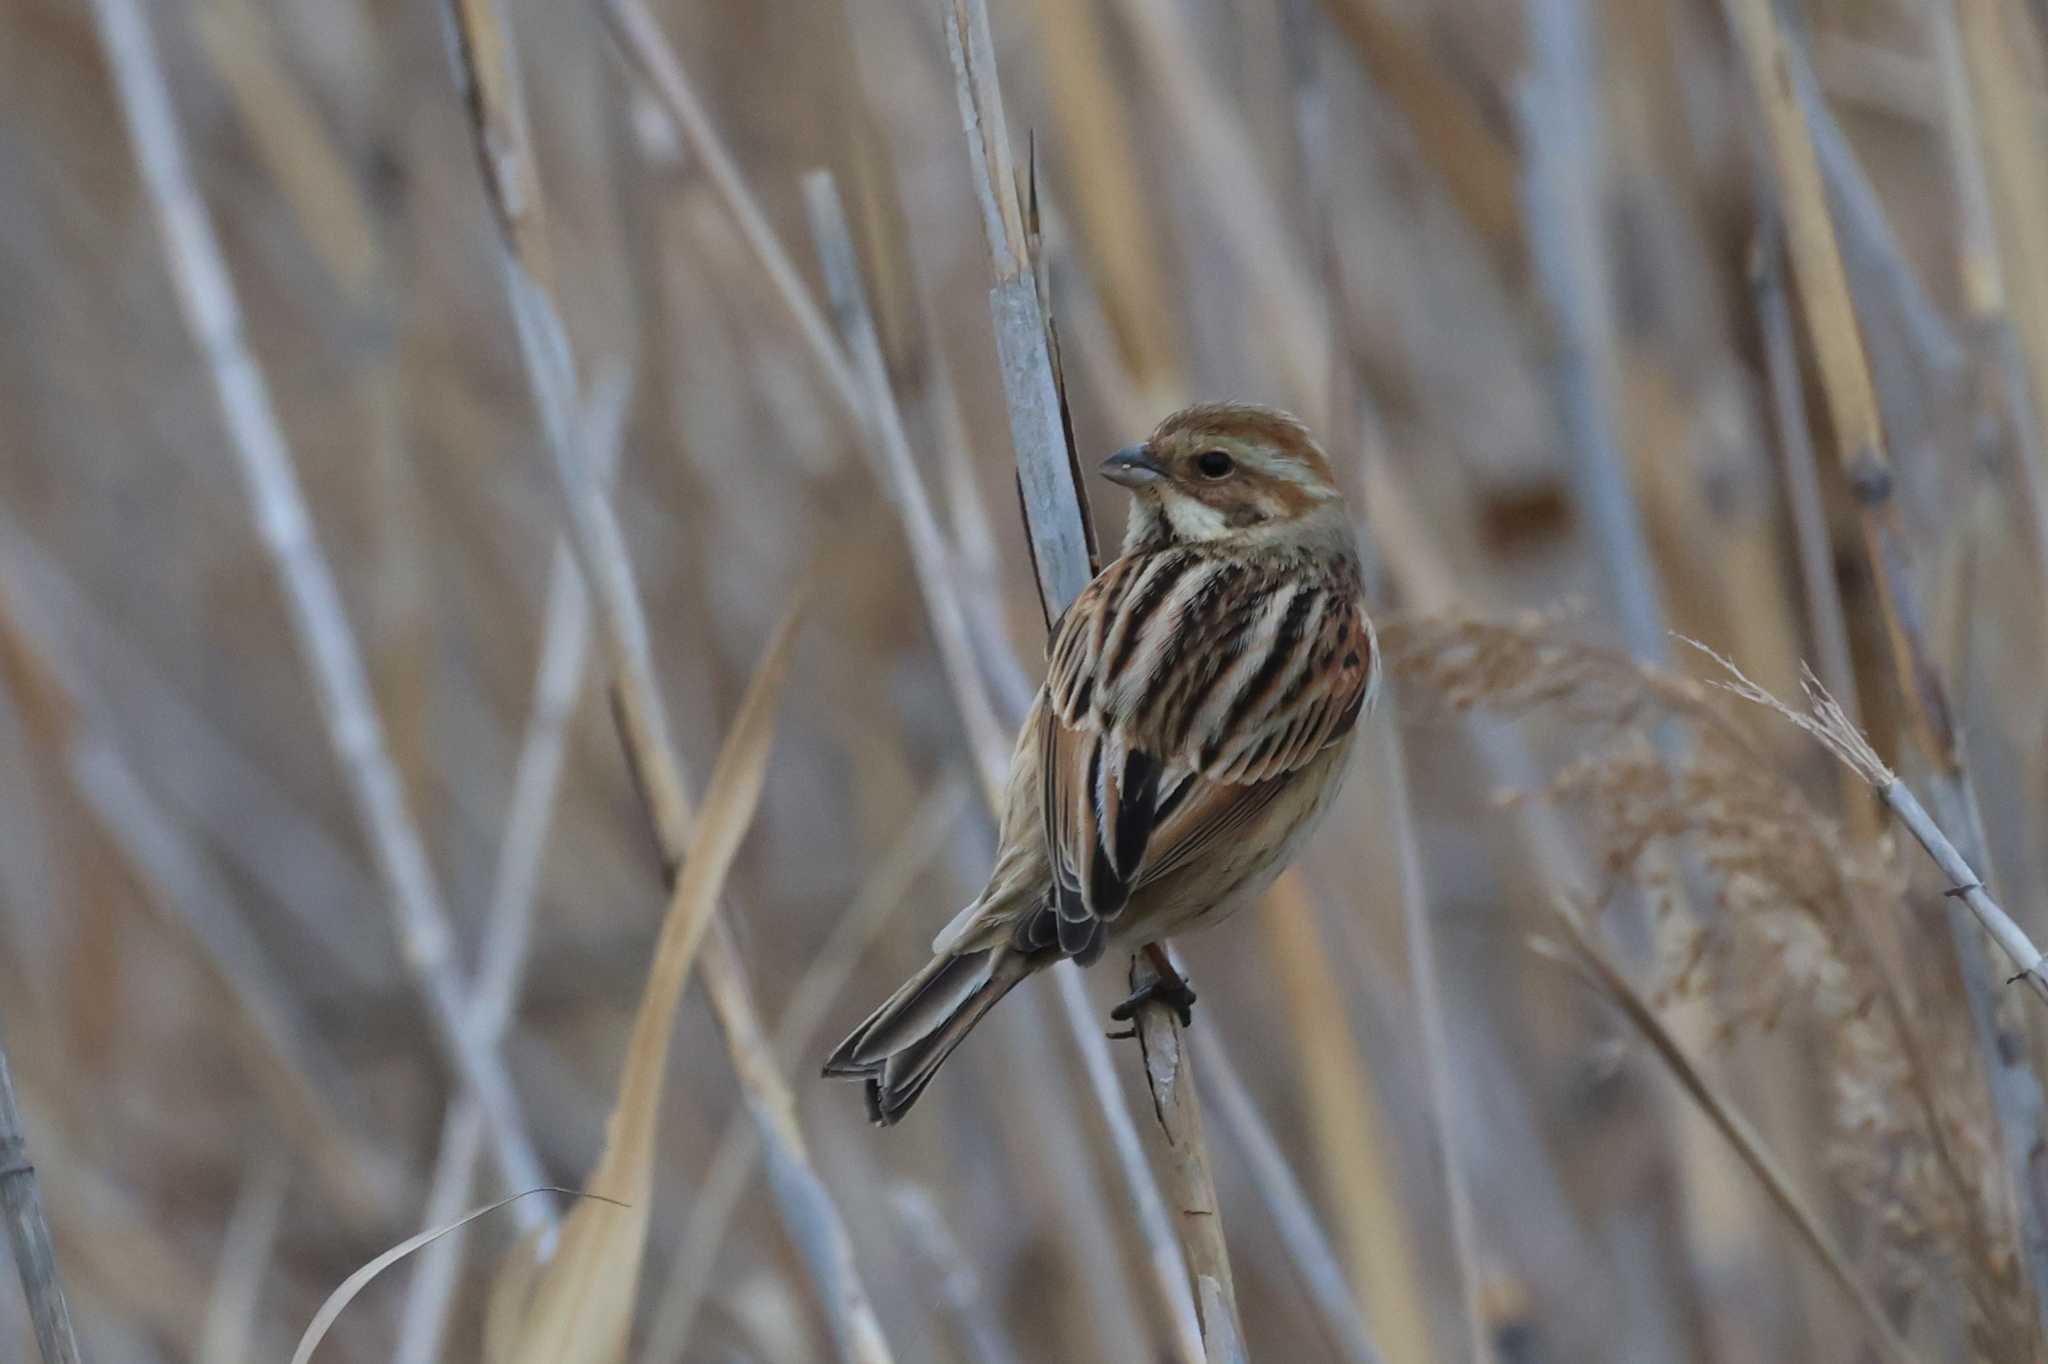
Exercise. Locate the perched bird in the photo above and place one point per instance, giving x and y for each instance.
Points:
(1193, 727)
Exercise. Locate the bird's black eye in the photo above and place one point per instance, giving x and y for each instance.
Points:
(1213, 464)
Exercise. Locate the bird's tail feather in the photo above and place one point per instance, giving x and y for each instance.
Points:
(900, 1046)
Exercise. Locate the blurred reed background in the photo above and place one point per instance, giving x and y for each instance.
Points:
(1624, 319)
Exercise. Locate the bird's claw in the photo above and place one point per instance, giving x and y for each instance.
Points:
(1171, 990)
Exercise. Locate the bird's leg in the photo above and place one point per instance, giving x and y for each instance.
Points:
(1153, 977)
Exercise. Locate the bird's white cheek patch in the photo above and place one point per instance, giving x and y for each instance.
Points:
(1193, 520)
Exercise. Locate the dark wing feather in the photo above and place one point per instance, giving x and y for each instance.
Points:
(1184, 692)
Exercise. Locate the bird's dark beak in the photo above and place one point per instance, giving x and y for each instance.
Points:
(1132, 466)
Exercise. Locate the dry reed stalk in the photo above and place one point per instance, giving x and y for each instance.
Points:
(809, 1213)
(1180, 1153)
(1048, 472)
(1802, 476)
(1981, 268)
(1118, 225)
(1915, 1141)
(1815, 546)
(1476, 164)
(895, 470)
(1566, 208)
(248, 1248)
(284, 523)
(1613, 983)
(2007, 136)
(1567, 214)
(1062, 543)
(1394, 1294)
(581, 1303)
(28, 1233)
(302, 1080)
(951, 1270)
(1347, 1124)
(1287, 315)
(693, 1265)
(639, 36)
(1164, 1253)
(1830, 725)
(1439, 1064)
(1846, 382)
(225, 795)
(1315, 1260)
(294, 145)
(1897, 310)
(515, 887)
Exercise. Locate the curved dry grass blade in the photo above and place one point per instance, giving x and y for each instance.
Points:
(324, 1319)
(581, 1305)
(1612, 983)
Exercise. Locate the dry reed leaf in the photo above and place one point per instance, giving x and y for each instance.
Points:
(581, 1302)
(324, 1319)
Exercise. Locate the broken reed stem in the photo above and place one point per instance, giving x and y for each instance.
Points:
(515, 886)
(1614, 984)
(1062, 550)
(1055, 505)
(213, 317)
(1822, 282)
(28, 1233)
(809, 1213)
(1293, 1214)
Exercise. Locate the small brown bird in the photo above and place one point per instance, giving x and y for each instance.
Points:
(1193, 727)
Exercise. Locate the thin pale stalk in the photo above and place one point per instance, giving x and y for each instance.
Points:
(307, 1087)
(246, 1255)
(284, 523)
(718, 1194)
(1981, 267)
(809, 1212)
(1440, 1064)
(639, 36)
(312, 1092)
(1062, 543)
(1872, 255)
(1308, 1246)
(207, 780)
(515, 886)
(1566, 199)
(28, 1233)
(1802, 475)
(1167, 1259)
(896, 468)
(1846, 381)
(950, 1269)
(1614, 984)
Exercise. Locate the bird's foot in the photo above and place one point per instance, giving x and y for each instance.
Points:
(1161, 983)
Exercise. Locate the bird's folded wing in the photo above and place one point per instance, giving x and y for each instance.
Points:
(1182, 697)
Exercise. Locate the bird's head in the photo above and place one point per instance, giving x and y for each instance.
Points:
(1226, 471)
